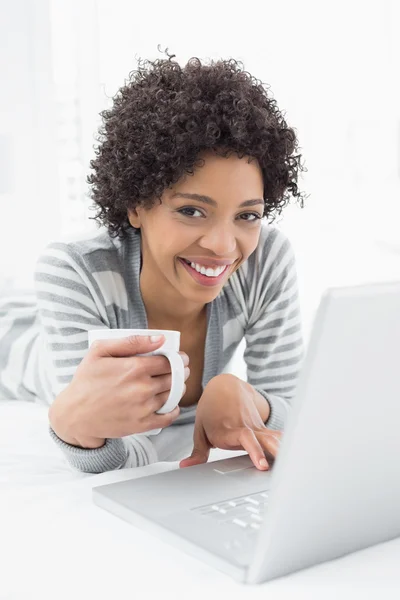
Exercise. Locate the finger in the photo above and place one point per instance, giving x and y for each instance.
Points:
(159, 400)
(127, 346)
(251, 444)
(270, 441)
(163, 383)
(185, 358)
(152, 365)
(161, 421)
(201, 449)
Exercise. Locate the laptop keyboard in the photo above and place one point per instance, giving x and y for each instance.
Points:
(245, 512)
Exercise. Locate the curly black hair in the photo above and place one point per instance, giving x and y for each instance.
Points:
(165, 115)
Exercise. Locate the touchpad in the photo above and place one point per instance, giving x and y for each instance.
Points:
(230, 465)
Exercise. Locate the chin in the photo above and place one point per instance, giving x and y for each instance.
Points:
(204, 295)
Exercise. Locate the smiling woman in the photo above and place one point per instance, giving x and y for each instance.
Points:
(200, 220)
(189, 164)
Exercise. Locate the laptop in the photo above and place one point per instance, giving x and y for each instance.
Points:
(334, 487)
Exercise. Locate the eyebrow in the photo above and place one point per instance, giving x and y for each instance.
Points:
(208, 200)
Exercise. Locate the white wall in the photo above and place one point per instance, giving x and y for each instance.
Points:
(333, 68)
(28, 182)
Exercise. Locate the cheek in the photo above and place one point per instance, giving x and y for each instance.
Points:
(176, 241)
(171, 250)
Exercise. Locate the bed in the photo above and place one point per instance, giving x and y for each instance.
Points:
(55, 543)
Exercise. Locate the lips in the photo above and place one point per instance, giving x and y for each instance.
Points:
(209, 262)
(203, 279)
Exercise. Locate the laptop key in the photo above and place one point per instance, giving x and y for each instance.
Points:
(239, 522)
(206, 511)
(225, 506)
(240, 512)
(256, 518)
(261, 497)
(252, 500)
(253, 509)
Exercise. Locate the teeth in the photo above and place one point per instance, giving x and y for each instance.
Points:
(208, 271)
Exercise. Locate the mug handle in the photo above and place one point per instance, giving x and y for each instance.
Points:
(177, 384)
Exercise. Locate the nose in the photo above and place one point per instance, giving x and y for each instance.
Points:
(220, 240)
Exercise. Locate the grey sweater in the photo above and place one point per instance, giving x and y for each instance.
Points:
(94, 283)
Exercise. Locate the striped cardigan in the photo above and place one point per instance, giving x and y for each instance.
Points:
(94, 283)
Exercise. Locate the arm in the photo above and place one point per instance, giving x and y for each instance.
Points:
(234, 414)
(262, 406)
(274, 342)
(69, 304)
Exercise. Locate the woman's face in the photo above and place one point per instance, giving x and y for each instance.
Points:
(202, 220)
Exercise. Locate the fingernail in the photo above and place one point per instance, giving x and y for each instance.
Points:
(263, 463)
(187, 372)
(185, 358)
(155, 338)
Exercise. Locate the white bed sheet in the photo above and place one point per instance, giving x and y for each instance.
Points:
(55, 543)
(28, 456)
(53, 540)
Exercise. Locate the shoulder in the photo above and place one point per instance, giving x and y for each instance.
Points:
(86, 266)
(91, 252)
(272, 259)
(272, 241)
(274, 253)
(262, 274)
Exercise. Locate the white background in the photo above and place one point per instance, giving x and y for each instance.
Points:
(332, 67)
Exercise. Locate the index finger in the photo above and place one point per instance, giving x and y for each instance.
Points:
(270, 441)
(154, 365)
(124, 347)
(255, 449)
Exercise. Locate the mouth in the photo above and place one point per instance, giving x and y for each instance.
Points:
(202, 278)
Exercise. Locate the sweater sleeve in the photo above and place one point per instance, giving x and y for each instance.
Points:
(274, 341)
(70, 303)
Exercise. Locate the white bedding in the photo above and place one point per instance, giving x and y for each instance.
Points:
(55, 543)
(28, 456)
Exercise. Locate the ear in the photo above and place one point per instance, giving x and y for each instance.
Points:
(134, 217)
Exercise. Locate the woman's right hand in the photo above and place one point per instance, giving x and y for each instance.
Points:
(115, 393)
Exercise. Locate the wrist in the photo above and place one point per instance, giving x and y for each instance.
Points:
(58, 424)
(60, 419)
(226, 380)
(262, 405)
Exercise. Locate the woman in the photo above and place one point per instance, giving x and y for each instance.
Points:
(189, 162)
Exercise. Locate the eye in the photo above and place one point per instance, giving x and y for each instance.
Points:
(189, 209)
(255, 215)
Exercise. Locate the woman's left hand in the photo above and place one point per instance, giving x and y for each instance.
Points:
(227, 417)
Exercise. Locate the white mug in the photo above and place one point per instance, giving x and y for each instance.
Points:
(169, 349)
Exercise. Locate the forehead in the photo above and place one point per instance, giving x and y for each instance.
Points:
(217, 176)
